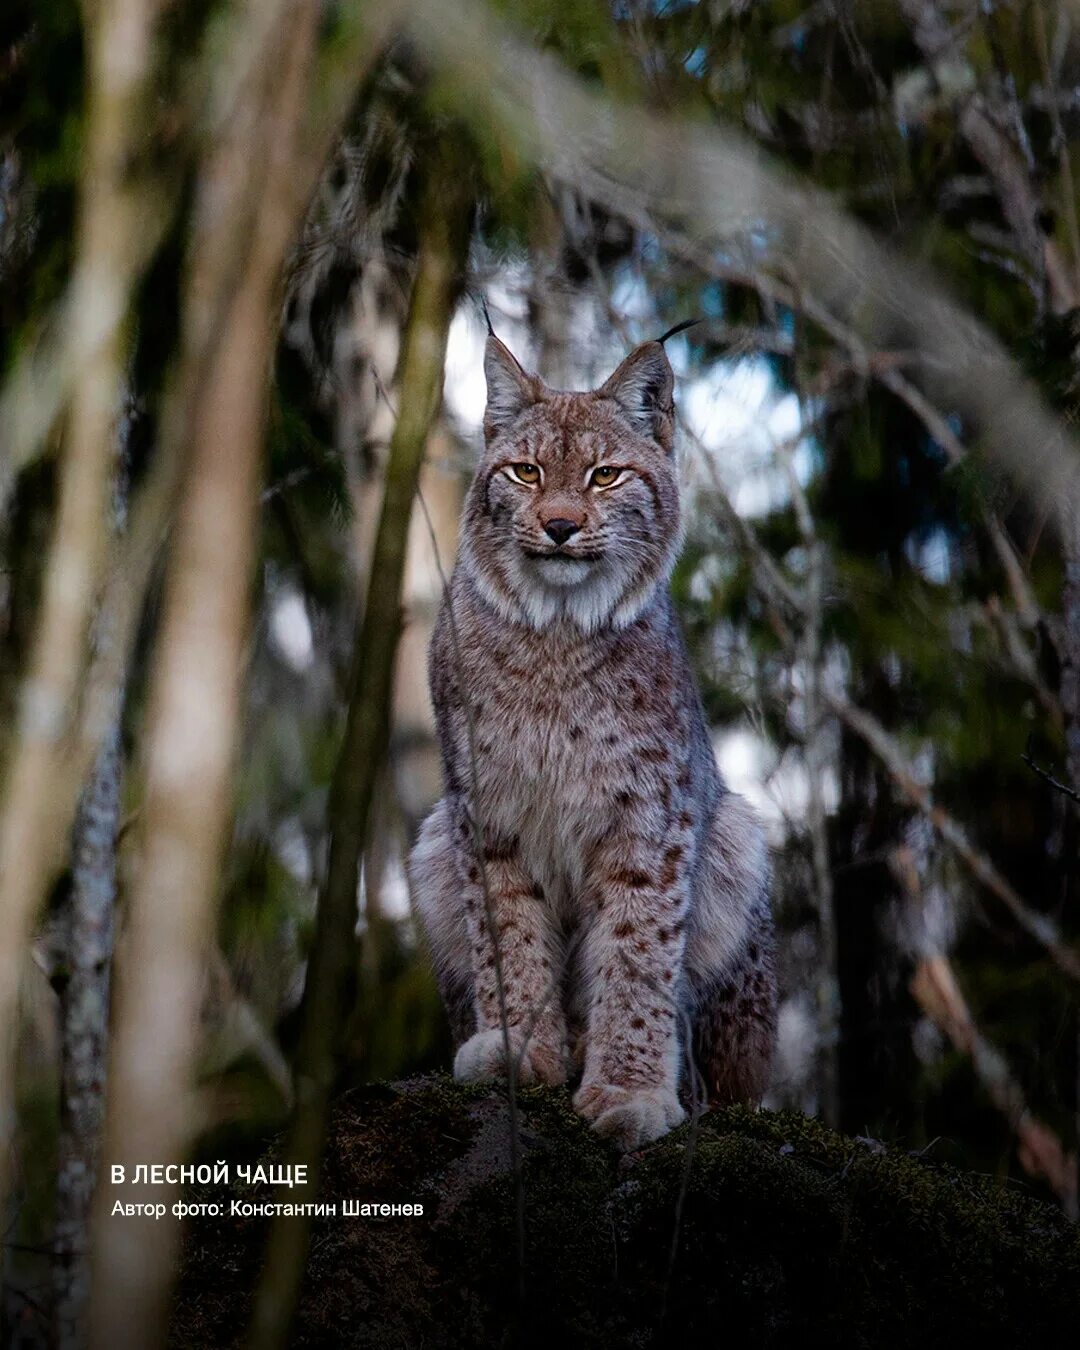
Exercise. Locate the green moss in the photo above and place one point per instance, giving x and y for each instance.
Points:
(769, 1223)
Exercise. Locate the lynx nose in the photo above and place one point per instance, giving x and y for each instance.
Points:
(560, 530)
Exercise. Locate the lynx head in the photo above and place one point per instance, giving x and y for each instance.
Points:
(574, 510)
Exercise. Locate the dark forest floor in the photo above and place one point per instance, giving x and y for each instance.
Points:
(788, 1234)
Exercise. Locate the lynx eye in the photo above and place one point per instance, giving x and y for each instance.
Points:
(605, 475)
(529, 474)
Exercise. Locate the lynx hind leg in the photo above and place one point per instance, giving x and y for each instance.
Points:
(734, 1025)
(436, 897)
(730, 962)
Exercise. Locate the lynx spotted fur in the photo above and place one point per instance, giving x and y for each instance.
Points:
(584, 817)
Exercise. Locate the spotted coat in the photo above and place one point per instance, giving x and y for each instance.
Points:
(587, 875)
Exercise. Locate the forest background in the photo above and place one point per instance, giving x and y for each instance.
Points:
(243, 244)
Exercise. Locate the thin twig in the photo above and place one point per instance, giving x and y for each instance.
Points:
(712, 185)
(513, 1061)
(1038, 926)
(1048, 777)
(1068, 181)
(935, 989)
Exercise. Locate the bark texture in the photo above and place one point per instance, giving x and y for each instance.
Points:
(84, 1014)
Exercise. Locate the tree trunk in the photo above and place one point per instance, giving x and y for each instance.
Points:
(84, 1018)
(441, 258)
(417, 768)
(194, 701)
(39, 799)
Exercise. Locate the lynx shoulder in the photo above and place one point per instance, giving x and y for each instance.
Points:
(587, 877)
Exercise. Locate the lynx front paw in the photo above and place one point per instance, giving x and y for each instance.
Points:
(482, 1058)
(631, 1117)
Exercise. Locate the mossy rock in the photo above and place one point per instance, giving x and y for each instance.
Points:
(763, 1227)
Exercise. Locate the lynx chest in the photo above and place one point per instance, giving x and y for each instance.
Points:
(561, 744)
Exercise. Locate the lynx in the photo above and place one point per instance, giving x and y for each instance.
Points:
(587, 876)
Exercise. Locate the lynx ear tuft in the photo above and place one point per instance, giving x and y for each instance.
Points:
(643, 387)
(510, 390)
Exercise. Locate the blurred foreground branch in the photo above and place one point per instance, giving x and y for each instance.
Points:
(727, 197)
(787, 604)
(1039, 926)
(194, 703)
(84, 1013)
(936, 991)
(442, 253)
(36, 814)
(125, 205)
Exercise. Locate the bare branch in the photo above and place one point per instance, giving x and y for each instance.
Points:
(1068, 182)
(1038, 926)
(717, 188)
(1048, 777)
(981, 125)
(938, 427)
(89, 926)
(935, 989)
